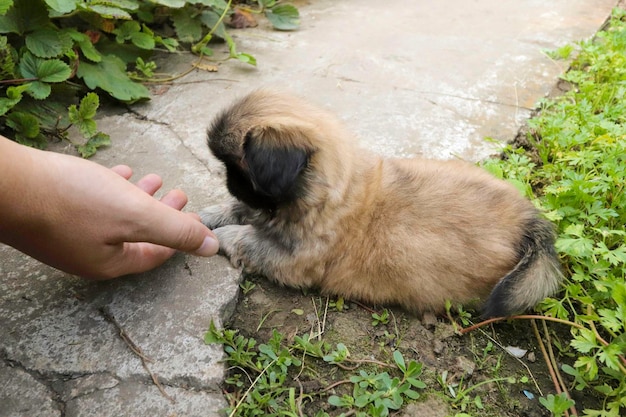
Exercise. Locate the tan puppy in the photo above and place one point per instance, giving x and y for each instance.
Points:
(314, 210)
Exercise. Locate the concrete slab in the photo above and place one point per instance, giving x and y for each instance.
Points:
(425, 78)
(410, 78)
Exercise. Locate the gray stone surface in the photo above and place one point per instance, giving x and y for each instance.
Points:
(410, 78)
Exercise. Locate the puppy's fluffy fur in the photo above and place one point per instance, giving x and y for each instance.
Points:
(311, 209)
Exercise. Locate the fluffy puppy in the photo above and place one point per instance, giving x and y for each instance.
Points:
(311, 209)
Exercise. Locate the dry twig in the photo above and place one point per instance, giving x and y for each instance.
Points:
(108, 316)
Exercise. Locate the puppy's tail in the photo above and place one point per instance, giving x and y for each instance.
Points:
(537, 275)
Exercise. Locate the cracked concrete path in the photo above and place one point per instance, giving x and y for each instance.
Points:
(410, 78)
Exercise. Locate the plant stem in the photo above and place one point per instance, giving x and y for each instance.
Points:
(207, 38)
(523, 316)
(243, 397)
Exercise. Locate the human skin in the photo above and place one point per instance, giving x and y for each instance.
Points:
(88, 220)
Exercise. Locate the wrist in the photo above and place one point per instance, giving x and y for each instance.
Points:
(22, 190)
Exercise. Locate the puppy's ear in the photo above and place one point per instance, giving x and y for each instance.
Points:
(274, 168)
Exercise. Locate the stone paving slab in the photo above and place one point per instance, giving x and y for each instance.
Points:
(429, 78)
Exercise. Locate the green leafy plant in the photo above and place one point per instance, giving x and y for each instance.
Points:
(375, 394)
(382, 318)
(462, 395)
(54, 52)
(282, 16)
(273, 365)
(576, 164)
(82, 117)
(247, 286)
(556, 404)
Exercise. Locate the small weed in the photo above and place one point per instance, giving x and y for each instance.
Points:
(462, 395)
(338, 304)
(556, 404)
(269, 371)
(382, 318)
(247, 286)
(375, 394)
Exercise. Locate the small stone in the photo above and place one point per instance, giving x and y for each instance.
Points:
(465, 365)
(516, 351)
(438, 346)
(429, 320)
(431, 407)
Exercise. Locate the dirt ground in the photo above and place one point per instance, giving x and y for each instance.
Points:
(468, 359)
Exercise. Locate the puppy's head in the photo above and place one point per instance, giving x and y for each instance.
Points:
(270, 144)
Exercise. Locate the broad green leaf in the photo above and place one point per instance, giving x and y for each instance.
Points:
(5, 5)
(284, 17)
(399, 360)
(109, 12)
(619, 294)
(38, 142)
(126, 30)
(110, 75)
(96, 141)
(62, 6)
(206, 51)
(25, 16)
(587, 365)
(219, 5)
(53, 71)
(174, 4)
(122, 4)
(87, 128)
(132, 31)
(84, 43)
(88, 106)
(46, 70)
(521, 186)
(74, 115)
(39, 90)
(213, 335)
(23, 124)
(188, 28)
(246, 58)
(28, 65)
(578, 247)
(209, 18)
(170, 43)
(142, 40)
(584, 341)
(45, 43)
(6, 104)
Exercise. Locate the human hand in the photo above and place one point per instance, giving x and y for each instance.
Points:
(91, 221)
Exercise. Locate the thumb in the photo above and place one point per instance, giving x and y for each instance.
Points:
(192, 236)
(181, 231)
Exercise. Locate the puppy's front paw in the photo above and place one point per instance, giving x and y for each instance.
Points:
(231, 242)
(216, 216)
